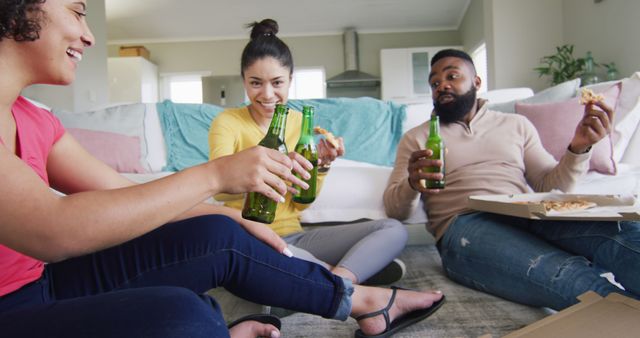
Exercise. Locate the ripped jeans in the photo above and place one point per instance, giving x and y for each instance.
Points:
(541, 263)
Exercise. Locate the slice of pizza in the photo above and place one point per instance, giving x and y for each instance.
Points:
(588, 96)
(567, 206)
(328, 135)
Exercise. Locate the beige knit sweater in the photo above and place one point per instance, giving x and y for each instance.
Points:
(497, 153)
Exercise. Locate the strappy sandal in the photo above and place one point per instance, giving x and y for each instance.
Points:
(261, 318)
(392, 327)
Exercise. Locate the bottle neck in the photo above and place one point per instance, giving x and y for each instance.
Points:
(307, 126)
(434, 126)
(278, 122)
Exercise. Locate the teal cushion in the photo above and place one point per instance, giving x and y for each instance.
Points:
(371, 128)
(186, 132)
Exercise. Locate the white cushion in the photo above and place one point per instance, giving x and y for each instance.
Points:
(353, 190)
(632, 153)
(156, 149)
(506, 94)
(123, 119)
(417, 113)
(557, 93)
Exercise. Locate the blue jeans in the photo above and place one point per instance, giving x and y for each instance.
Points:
(541, 263)
(152, 286)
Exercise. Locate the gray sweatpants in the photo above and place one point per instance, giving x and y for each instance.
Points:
(362, 248)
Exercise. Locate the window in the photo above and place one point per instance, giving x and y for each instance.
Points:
(479, 57)
(182, 88)
(308, 83)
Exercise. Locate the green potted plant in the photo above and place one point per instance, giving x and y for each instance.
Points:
(561, 66)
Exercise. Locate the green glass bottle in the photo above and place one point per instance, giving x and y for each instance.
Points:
(589, 76)
(258, 207)
(307, 148)
(435, 143)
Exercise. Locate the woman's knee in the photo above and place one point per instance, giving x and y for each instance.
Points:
(197, 315)
(208, 226)
(393, 231)
(395, 227)
(165, 311)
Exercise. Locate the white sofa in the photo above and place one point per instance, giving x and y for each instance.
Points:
(353, 189)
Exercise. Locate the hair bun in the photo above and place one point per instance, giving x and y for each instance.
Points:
(266, 27)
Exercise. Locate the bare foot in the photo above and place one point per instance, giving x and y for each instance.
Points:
(374, 299)
(253, 329)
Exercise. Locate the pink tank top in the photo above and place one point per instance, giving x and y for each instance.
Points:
(37, 131)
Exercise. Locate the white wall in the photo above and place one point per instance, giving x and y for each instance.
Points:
(522, 32)
(518, 33)
(609, 29)
(90, 88)
(222, 58)
(472, 26)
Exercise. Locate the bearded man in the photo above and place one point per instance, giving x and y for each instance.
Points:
(533, 262)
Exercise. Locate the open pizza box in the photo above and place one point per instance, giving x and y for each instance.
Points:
(601, 207)
(595, 316)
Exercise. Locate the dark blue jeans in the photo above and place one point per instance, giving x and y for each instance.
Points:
(541, 263)
(152, 286)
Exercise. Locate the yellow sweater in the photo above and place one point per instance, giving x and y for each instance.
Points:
(235, 130)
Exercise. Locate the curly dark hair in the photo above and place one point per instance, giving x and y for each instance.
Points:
(20, 19)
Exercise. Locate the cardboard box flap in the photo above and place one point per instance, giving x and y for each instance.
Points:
(612, 316)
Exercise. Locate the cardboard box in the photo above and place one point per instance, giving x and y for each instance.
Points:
(612, 316)
(609, 207)
(134, 51)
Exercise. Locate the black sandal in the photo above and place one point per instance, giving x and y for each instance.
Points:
(261, 318)
(392, 327)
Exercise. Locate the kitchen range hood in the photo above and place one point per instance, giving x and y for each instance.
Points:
(352, 76)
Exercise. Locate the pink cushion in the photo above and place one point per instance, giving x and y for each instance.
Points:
(556, 124)
(120, 152)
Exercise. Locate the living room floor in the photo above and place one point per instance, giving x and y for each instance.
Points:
(466, 313)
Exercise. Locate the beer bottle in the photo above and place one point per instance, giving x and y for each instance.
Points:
(307, 148)
(258, 207)
(435, 143)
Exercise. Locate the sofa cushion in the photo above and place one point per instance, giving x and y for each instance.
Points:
(632, 153)
(496, 96)
(556, 124)
(353, 190)
(557, 93)
(157, 151)
(186, 131)
(627, 116)
(120, 152)
(371, 128)
(123, 119)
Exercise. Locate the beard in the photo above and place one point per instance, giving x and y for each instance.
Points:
(456, 109)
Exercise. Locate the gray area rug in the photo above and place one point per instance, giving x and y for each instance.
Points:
(467, 313)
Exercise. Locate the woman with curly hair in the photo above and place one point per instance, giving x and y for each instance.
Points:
(127, 260)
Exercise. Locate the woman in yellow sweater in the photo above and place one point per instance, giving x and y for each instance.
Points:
(359, 251)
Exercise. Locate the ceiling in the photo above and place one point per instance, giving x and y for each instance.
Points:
(145, 21)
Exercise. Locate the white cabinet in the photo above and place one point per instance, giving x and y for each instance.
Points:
(405, 73)
(132, 79)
